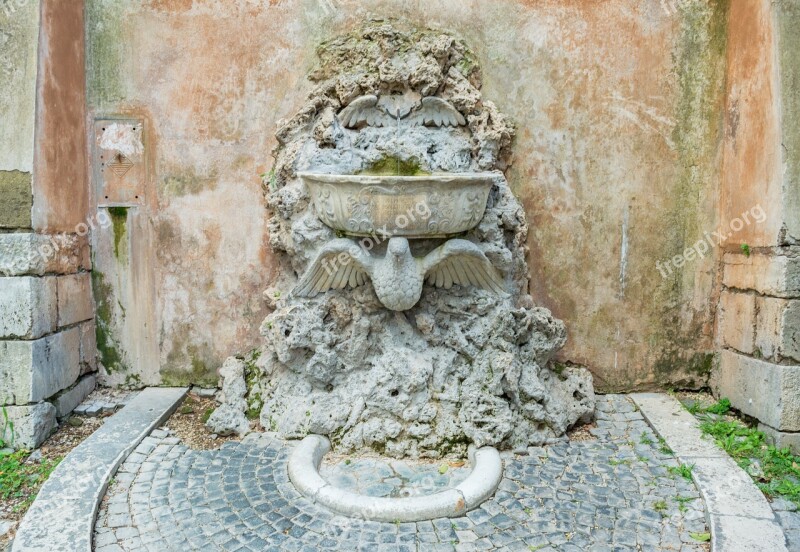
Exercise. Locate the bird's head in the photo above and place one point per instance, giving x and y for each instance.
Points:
(398, 248)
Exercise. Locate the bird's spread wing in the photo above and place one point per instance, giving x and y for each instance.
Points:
(364, 109)
(339, 264)
(437, 112)
(461, 262)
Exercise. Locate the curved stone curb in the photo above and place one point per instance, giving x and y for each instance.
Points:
(62, 516)
(303, 468)
(739, 515)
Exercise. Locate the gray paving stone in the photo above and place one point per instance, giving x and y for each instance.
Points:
(62, 516)
(559, 496)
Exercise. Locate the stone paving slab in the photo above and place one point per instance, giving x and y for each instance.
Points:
(63, 514)
(789, 519)
(392, 478)
(741, 519)
(612, 493)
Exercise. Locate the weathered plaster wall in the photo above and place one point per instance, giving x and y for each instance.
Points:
(758, 320)
(61, 190)
(751, 171)
(618, 104)
(19, 32)
(19, 35)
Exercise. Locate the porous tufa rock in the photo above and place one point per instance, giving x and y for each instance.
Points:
(229, 417)
(463, 366)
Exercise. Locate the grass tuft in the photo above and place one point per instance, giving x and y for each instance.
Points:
(775, 471)
(21, 479)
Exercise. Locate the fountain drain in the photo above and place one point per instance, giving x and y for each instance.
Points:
(304, 462)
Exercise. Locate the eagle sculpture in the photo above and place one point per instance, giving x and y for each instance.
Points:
(388, 110)
(398, 277)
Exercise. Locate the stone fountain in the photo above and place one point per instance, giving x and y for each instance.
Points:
(401, 321)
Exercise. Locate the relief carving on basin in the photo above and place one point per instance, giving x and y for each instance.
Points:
(424, 206)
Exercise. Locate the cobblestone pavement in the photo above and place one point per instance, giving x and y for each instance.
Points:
(612, 493)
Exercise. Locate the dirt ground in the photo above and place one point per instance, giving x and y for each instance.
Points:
(188, 423)
(39, 464)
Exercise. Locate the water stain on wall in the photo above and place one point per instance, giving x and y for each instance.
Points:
(617, 106)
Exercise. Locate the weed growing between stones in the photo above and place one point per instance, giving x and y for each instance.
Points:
(20, 478)
(8, 428)
(701, 537)
(775, 471)
(683, 470)
(682, 501)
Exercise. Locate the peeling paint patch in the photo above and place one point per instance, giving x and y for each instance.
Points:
(124, 138)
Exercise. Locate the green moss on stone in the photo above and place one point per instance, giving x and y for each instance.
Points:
(453, 444)
(104, 323)
(16, 199)
(394, 166)
(187, 184)
(251, 377)
(133, 381)
(119, 222)
(199, 375)
(683, 368)
(788, 23)
(189, 365)
(106, 51)
(467, 64)
(699, 63)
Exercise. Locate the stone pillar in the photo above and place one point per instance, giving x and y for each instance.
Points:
(47, 338)
(758, 326)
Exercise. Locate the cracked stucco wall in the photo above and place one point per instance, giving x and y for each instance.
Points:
(618, 104)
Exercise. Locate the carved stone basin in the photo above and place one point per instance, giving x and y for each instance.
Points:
(426, 206)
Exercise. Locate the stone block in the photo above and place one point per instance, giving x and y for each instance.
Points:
(761, 389)
(31, 371)
(32, 424)
(39, 254)
(775, 275)
(746, 534)
(28, 307)
(781, 439)
(88, 347)
(787, 21)
(737, 318)
(65, 511)
(66, 401)
(18, 57)
(727, 490)
(778, 328)
(15, 209)
(74, 299)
